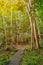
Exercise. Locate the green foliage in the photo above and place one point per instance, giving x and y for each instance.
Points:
(13, 11)
(32, 58)
(6, 56)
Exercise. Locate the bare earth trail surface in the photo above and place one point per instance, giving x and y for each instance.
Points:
(16, 59)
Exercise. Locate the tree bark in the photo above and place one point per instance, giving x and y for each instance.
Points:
(34, 30)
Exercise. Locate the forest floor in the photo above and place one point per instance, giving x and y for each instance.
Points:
(16, 59)
(23, 56)
(32, 57)
(6, 54)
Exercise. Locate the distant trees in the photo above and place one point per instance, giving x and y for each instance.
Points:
(14, 21)
(16, 15)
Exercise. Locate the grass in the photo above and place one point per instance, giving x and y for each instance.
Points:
(32, 57)
(6, 55)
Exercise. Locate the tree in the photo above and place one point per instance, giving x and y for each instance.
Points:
(34, 31)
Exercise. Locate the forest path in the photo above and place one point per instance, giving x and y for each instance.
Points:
(16, 59)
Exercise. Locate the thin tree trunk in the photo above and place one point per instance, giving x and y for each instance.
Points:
(32, 17)
(33, 21)
(4, 30)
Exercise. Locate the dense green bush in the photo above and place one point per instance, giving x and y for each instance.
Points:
(32, 58)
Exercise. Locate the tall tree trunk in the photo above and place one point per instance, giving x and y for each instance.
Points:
(33, 22)
(32, 17)
(4, 31)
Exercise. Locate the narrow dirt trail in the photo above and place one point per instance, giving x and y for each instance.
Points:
(16, 59)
